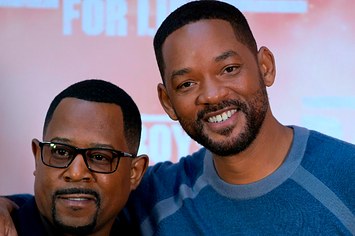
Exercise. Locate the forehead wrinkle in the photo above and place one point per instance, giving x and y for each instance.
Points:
(225, 55)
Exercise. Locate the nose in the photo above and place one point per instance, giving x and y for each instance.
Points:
(212, 91)
(78, 171)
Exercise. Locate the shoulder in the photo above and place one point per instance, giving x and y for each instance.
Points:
(20, 199)
(331, 161)
(317, 144)
(188, 164)
(27, 219)
(327, 146)
(168, 175)
(192, 159)
(162, 181)
(165, 178)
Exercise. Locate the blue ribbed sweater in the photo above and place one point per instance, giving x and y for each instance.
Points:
(312, 193)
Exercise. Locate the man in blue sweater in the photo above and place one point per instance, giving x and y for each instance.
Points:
(253, 176)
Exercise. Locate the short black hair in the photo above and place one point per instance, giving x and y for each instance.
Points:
(201, 10)
(96, 90)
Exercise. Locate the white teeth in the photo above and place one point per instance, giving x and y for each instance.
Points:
(222, 117)
(77, 199)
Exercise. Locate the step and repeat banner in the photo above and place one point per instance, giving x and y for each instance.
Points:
(46, 45)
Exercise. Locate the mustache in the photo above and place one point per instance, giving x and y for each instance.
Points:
(212, 108)
(77, 191)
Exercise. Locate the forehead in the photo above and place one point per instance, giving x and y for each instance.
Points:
(84, 122)
(201, 41)
(201, 32)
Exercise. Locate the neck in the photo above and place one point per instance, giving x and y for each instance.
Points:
(261, 158)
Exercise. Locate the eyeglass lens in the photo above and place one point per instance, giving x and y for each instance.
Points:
(96, 159)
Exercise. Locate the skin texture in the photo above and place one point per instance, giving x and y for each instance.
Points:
(210, 74)
(85, 124)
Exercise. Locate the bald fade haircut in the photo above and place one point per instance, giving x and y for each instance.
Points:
(202, 10)
(95, 90)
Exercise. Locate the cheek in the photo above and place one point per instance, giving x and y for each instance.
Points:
(46, 179)
(114, 193)
(253, 81)
(184, 106)
(45, 184)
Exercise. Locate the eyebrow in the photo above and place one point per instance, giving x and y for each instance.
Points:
(219, 58)
(93, 145)
(225, 55)
(180, 72)
(61, 140)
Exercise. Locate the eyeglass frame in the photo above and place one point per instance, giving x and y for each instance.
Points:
(83, 152)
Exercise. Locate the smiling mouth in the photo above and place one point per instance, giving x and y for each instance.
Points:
(80, 197)
(222, 117)
(77, 199)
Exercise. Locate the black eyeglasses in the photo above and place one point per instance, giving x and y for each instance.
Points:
(100, 160)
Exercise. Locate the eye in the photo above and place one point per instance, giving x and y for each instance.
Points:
(231, 70)
(185, 85)
(59, 151)
(101, 157)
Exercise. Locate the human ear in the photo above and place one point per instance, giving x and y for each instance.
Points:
(267, 66)
(36, 150)
(165, 101)
(138, 167)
